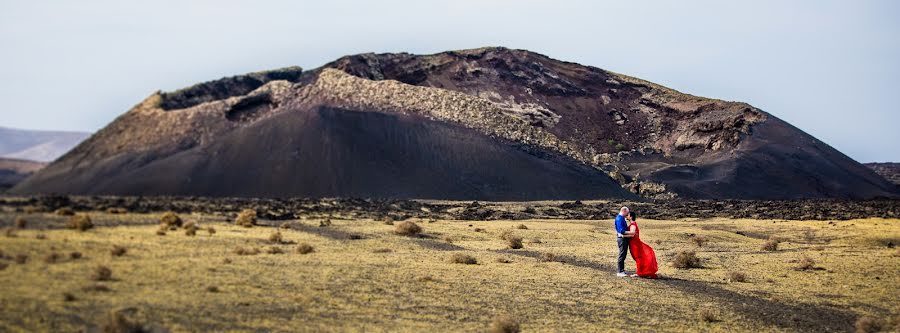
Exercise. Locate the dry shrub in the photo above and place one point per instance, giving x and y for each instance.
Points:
(41, 236)
(80, 222)
(389, 220)
(20, 223)
(161, 232)
(64, 211)
(460, 258)
(285, 225)
(21, 258)
(274, 250)
(190, 229)
(513, 241)
(866, 324)
(522, 226)
(325, 223)
(212, 289)
(53, 257)
(536, 241)
(382, 251)
(101, 273)
(478, 230)
(806, 263)
(355, 237)
(770, 245)
(275, 238)
(3, 265)
(68, 297)
(32, 209)
(171, 220)
(734, 276)
(211, 231)
(246, 218)
(242, 251)
(118, 250)
(425, 278)
(503, 260)
(304, 248)
(447, 239)
(686, 259)
(707, 315)
(698, 240)
(226, 261)
(407, 228)
(504, 324)
(119, 322)
(75, 255)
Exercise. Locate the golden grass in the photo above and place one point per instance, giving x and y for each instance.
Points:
(388, 282)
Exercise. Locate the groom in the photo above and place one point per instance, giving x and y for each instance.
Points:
(622, 239)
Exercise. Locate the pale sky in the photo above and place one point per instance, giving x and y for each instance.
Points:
(830, 68)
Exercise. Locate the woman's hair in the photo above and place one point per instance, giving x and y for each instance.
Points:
(633, 216)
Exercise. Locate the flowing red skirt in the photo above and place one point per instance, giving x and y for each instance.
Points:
(644, 257)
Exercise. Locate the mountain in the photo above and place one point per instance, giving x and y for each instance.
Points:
(13, 171)
(484, 124)
(42, 146)
(889, 170)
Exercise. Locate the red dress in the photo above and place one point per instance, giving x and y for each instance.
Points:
(644, 257)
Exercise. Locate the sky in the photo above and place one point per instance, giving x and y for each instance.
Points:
(830, 68)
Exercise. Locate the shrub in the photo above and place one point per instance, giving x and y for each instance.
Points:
(275, 238)
(80, 222)
(504, 324)
(75, 255)
(706, 315)
(478, 230)
(620, 147)
(3, 265)
(190, 229)
(699, 240)
(389, 220)
(325, 223)
(102, 273)
(770, 245)
(52, 257)
(514, 242)
(20, 258)
(241, 251)
(503, 260)
(522, 226)
(212, 289)
(40, 236)
(211, 230)
(171, 220)
(285, 225)
(20, 223)
(64, 211)
(425, 278)
(118, 322)
(68, 297)
(806, 263)
(407, 228)
(868, 324)
(118, 251)
(686, 259)
(547, 257)
(447, 239)
(382, 251)
(246, 218)
(460, 258)
(536, 241)
(304, 248)
(734, 276)
(161, 232)
(274, 250)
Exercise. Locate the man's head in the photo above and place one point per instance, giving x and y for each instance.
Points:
(624, 211)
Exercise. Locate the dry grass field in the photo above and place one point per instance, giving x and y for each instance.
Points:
(380, 276)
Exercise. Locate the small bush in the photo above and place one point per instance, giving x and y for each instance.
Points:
(285, 225)
(242, 251)
(64, 211)
(101, 273)
(734, 276)
(447, 239)
(382, 251)
(770, 245)
(504, 324)
(41, 236)
(503, 260)
(20, 223)
(514, 242)
(522, 226)
(190, 229)
(161, 232)
(708, 316)
(80, 222)
(536, 241)
(171, 220)
(246, 218)
(21, 258)
(275, 238)
(274, 250)
(53, 257)
(211, 231)
(460, 258)
(620, 147)
(478, 230)
(868, 324)
(3, 265)
(407, 228)
(698, 240)
(212, 289)
(425, 278)
(547, 257)
(304, 248)
(68, 297)
(75, 255)
(118, 322)
(388, 220)
(325, 223)
(118, 250)
(686, 260)
(806, 263)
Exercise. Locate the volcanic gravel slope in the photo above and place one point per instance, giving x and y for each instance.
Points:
(485, 124)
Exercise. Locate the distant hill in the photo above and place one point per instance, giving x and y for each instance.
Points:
(13, 171)
(481, 124)
(35, 145)
(889, 170)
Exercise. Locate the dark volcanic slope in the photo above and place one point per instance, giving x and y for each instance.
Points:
(489, 123)
(889, 170)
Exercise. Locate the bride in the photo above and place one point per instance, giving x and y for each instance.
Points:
(643, 255)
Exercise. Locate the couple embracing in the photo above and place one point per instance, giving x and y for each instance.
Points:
(628, 237)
